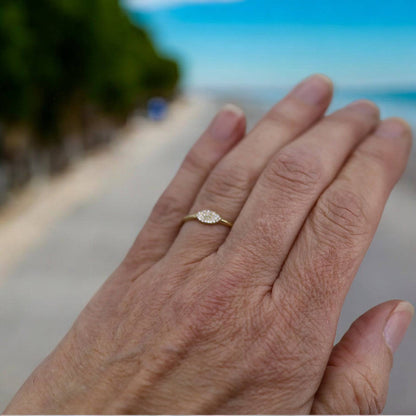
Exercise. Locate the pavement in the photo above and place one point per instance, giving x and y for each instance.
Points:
(60, 241)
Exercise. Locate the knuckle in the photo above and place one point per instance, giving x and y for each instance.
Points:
(229, 182)
(169, 206)
(214, 302)
(355, 393)
(195, 162)
(368, 389)
(368, 397)
(347, 124)
(377, 159)
(341, 214)
(204, 310)
(295, 169)
(278, 116)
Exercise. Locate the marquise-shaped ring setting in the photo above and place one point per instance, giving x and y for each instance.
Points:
(209, 217)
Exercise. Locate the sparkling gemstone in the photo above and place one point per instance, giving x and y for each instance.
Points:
(208, 217)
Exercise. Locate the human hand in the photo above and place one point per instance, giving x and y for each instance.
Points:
(204, 319)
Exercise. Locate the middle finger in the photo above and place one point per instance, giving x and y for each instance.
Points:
(289, 188)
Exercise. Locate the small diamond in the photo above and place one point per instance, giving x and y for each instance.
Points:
(208, 217)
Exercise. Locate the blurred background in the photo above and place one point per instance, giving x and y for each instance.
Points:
(99, 102)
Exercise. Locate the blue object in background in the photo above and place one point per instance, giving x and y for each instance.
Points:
(157, 109)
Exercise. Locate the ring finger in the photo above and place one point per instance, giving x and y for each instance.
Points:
(230, 183)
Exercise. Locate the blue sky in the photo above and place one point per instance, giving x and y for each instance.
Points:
(266, 43)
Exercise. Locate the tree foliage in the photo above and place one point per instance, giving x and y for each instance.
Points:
(56, 54)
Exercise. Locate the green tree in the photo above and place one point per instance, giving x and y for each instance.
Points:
(56, 55)
(15, 42)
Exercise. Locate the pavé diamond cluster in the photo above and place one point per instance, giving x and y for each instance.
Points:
(208, 217)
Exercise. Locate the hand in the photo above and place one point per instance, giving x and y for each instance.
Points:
(203, 319)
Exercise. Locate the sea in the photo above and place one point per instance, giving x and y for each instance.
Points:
(392, 103)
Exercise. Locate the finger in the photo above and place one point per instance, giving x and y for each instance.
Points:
(289, 188)
(357, 376)
(335, 237)
(230, 183)
(161, 228)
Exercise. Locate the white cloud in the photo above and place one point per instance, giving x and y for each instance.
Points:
(158, 4)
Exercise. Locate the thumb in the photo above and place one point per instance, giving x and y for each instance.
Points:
(357, 376)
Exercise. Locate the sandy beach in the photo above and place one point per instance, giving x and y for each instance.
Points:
(60, 239)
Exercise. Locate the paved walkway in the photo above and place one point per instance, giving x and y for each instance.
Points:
(81, 227)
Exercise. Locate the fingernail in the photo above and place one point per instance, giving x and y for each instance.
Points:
(397, 325)
(364, 107)
(392, 129)
(313, 90)
(226, 122)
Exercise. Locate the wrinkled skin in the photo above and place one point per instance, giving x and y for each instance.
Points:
(204, 319)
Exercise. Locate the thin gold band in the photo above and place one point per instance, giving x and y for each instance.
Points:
(193, 217)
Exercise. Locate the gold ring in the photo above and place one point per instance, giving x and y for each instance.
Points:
(208, 217)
